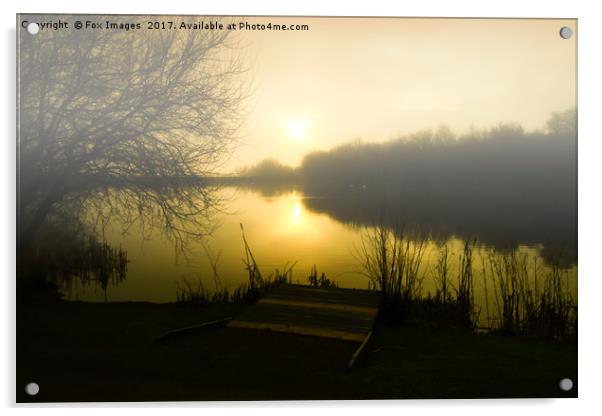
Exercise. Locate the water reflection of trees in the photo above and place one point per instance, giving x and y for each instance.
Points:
(440, 221)
(503, 186)
(65, 252)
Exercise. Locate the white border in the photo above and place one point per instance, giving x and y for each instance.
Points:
(590, 93)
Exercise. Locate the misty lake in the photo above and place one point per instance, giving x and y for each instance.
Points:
(283, 228)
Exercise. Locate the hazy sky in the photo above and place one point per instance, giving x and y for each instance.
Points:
(377, 78)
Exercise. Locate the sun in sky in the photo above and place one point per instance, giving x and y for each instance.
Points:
(338, 83)
(297, 130)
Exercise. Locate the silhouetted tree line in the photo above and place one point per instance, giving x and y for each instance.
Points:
(503, 186)
(270, 170)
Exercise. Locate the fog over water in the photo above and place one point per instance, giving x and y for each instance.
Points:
(504, 189)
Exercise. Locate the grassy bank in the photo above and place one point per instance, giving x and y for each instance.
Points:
(95, 352)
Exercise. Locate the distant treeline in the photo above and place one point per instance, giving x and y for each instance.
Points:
(502, 185)
(270, 169)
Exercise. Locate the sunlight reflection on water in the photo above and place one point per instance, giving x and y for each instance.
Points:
(281, 230)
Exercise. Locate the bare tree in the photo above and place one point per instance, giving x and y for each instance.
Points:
(124, 123)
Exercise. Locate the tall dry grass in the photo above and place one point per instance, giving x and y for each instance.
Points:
(530, 299)
(520, 296)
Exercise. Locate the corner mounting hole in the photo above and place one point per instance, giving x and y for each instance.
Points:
(566, 384)
(32, 389)
(33, 28)
(566, 32)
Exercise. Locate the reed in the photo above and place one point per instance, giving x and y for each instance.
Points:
(392, 263)
(321, 281)
(464, 293)
(255, 277)
(535, 304)
(527, 299)
(453, 302)
(442, 275)
(522, 304)
(194, 292)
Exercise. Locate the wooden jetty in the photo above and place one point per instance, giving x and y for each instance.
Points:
(346, 314)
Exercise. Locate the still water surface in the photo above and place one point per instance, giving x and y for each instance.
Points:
(281, 230)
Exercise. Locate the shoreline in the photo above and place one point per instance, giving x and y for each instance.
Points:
(101, 352)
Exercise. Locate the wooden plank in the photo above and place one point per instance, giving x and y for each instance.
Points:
(267, 308)
(318, 305)
(341, 296)
(292, 318)
(301, 330)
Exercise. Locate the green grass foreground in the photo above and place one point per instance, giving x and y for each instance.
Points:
(80, 351)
